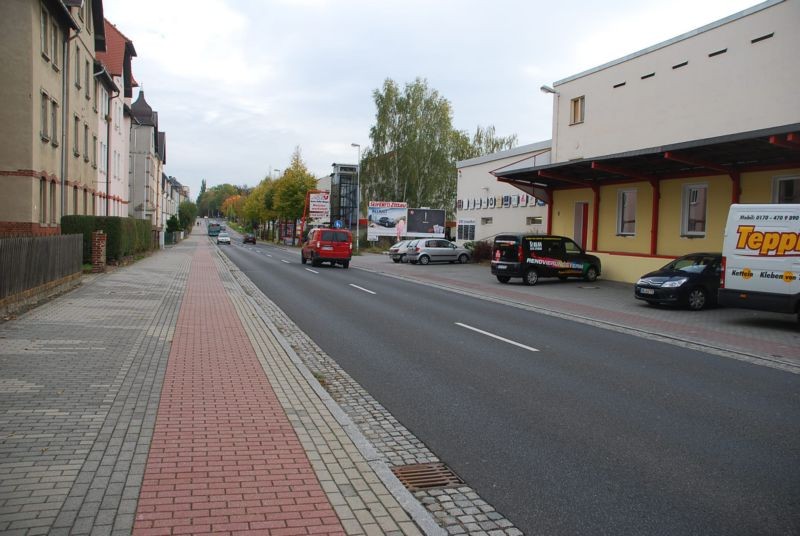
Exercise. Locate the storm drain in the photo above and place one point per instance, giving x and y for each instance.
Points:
(423, 476)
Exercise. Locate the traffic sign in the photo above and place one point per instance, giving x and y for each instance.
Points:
(338, 224)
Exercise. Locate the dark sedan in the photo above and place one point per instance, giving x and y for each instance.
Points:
(690, 281)
(249, 238)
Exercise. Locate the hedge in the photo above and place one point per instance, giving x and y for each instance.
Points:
(126, 236)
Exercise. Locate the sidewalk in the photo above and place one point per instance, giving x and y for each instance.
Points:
(158, 399)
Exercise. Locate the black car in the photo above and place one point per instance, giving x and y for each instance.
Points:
(532, 256)
(690, 281)
(249, 238)
(385, 221)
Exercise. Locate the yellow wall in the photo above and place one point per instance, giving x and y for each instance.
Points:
(757, 186)
(564, 212)
(608, 240)
(670, 241)
(628, 268)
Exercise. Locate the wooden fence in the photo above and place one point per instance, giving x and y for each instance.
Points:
(30, 262)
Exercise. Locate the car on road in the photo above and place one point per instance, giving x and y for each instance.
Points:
(531, 256)
(327, 245)
(691, 281)
(249, 238)
(223, 238)
(398, 251)
(427, 250)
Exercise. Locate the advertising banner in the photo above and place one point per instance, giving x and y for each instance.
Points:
(386, 218)
(319, 207)
(425, 223)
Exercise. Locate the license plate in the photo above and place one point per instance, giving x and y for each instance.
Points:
(501, 266)
(646, 291)
(327, 248)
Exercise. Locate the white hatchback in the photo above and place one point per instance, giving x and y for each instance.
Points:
(223, 238)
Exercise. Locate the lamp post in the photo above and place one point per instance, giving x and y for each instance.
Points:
(358, 192)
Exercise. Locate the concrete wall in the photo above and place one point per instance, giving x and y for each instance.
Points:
(750, 86)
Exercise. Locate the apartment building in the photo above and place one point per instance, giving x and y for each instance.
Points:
(147, 159)
(48, 112)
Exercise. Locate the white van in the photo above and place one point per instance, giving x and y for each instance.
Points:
(761, 258)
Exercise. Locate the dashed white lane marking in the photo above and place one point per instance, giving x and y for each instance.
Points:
(284, 260)
(312, 271)
(498, 337)
(361, 288)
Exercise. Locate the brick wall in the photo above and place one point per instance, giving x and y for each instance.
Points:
(23, 228)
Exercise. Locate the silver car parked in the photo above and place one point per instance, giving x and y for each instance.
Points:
(426, 250)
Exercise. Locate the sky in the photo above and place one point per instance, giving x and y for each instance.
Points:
(239, 84)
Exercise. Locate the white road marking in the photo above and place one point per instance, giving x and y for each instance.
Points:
(284, 260)
(498, 337)
(312, 271)
(268, 255)
(361, 288)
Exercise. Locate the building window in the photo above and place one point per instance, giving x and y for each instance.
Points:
(87, 73)
(85, 142)
(45, 133)
(75, 200)
(786, 189)
(534, 220)
(626, 212)
(577, 108)
(486, 221)
(54, 37)
(52, 202)
(466, 230)
(76, 129)
(42, 201)
(54, 123)
(693, 220)
(45, 25)
(85, 202)
(77, 67)
(94, 152)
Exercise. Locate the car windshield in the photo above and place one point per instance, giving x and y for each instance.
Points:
(223, 235)
(690, 265)
(507, 248)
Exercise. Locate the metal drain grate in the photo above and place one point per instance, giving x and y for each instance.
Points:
(426, 476)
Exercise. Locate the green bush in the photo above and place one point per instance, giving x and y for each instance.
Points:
(481, 250)
(126, 236)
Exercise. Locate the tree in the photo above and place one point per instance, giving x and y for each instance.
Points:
(187, 212)
(290, 190)
(173, 224)
(414, 147)
(209, 203)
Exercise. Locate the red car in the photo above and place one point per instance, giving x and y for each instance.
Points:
(328, 245)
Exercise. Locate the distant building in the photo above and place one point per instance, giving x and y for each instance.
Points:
(485, 207)
(147, 158)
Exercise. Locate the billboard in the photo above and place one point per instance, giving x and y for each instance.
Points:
(386, 218)
(390, 218)
(319, 207)
(425, 223)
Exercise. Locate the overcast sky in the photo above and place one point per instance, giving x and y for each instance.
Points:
(238, 84)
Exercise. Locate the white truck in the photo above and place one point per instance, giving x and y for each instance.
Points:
(761, 258)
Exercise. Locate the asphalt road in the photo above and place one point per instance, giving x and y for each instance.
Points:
(563, 427)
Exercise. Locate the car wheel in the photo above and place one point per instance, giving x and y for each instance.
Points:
(402, 258)
(315, 262)
(424, 260)
(395, 259)
(463, 258)
(562, 277)
(503, 278)
(346, 264)
(302, 258)
(591, 274)
(696, 300)
(531, 277)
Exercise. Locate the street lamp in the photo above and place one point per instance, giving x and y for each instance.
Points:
(358, 191)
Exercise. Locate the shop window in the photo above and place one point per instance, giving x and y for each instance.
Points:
(786, 190)
(534, 220)
(693, 218)
(626, 212)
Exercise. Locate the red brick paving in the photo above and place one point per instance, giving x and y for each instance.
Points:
(224, 458)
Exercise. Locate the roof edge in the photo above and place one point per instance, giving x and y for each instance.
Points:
(515, 151)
